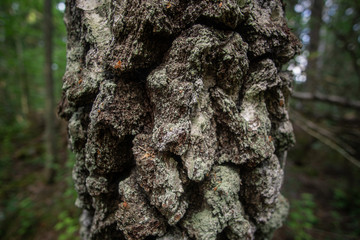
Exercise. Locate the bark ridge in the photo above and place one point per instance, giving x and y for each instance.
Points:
(177, 114)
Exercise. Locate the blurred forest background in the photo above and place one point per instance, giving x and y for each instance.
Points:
(322, 172)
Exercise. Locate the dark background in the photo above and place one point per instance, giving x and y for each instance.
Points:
(322, 170)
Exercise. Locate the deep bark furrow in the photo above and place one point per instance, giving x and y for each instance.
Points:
(177, 112)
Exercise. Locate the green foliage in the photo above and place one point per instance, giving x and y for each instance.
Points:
(27, 206)
(21, 213)
(27, 215)
(22, 84)
(23, 217)
(68, 221)
(340, 198)
(302, 216)
(346, 208)
(68, 225)
(8, 133)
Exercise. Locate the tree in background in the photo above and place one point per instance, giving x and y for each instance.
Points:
(315, 21)
(325, 113)
(331, 33)
(177, 114)
(29, 209)
(22, 82)
(50, 119)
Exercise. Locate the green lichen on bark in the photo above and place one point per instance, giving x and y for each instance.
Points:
(177, 114)
(222, 208)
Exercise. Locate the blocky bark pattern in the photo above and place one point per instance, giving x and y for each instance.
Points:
(177, 114)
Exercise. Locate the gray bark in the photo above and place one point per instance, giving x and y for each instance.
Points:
(177, 114)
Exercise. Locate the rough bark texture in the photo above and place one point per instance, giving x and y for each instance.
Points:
(177, 116)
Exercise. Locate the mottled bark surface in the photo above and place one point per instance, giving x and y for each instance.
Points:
(177, 114)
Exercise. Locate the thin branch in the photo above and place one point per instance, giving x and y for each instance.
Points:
(332, 99)
(326, 133)
(323, 232)
(303, 123)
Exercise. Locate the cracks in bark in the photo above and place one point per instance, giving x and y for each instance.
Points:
(211, 23)
(222, 235)
(150, 238)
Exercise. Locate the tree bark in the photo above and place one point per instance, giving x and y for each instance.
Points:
(177, 114)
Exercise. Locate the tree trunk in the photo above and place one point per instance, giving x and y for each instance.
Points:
(50, 132)
(177, 115)
(312, 70)
(24, 83)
